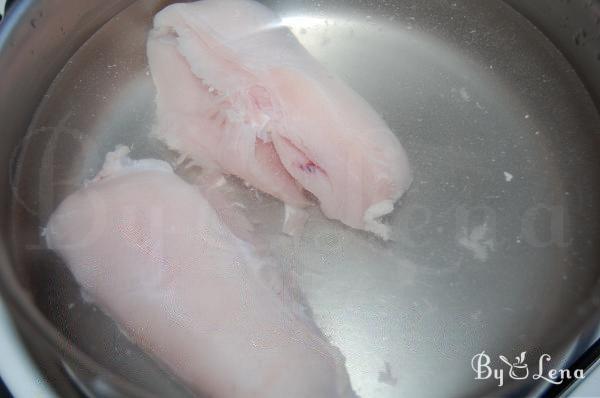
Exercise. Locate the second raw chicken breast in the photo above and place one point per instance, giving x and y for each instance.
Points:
(238, 93)
(150, 250)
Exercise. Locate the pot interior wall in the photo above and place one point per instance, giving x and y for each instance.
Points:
(496, 247)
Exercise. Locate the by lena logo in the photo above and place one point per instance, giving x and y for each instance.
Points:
(519, 370)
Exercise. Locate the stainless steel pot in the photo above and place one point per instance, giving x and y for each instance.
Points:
(497, 245)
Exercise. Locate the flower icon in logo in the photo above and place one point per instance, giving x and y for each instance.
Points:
(518, 369)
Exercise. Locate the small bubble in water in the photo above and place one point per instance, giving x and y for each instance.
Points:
(580, 37)
(464, 94)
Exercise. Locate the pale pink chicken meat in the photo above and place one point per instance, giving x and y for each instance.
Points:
(237, 92)
(155, 255)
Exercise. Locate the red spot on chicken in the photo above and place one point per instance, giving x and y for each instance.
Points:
(310, 167)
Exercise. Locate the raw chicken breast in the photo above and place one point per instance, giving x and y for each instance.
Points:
(237, 91)
(151, 251)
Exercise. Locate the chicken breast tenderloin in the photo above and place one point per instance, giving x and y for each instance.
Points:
(152, 252)
(237, 91)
